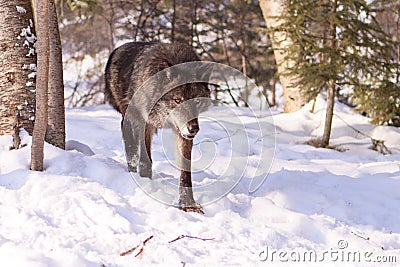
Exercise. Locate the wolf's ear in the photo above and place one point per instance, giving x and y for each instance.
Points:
(204, 71)
(172, 74)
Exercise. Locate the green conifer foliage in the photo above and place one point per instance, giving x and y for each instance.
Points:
(340, 43)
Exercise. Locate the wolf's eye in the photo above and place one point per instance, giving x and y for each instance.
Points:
(178, 100)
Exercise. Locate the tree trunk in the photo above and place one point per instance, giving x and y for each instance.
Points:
(17, 68)
(42, 78)
(55, 133)
(246, 90)
(330, 99)
(173, 21)
(272, 11)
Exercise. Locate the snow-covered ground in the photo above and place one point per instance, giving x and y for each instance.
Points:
(85, 208)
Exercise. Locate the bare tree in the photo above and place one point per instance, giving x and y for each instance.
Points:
(42, 78)
(220, 30)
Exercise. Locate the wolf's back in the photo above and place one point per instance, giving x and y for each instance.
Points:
(131, 64)
(118, 73)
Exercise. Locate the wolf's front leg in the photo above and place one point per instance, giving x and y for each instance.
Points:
(131, 145)
(145, 161)
(186, 200)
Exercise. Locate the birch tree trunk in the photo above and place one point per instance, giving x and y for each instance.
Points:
(272, 11)
(39, 130)
(17, 68)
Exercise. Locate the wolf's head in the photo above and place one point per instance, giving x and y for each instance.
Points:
(180, 108)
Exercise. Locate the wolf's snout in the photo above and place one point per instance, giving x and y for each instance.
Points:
(193, 129)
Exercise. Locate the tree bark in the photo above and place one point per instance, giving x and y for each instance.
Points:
(42, 79)
(330, 99)
(246, 90)
(55, 133)
(272, 11)
(173, 21)
(17, 68)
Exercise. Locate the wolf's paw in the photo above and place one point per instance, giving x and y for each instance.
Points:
(145, 172)
(193, 207)
(132, 168)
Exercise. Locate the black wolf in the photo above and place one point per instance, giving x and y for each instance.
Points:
(127, 70)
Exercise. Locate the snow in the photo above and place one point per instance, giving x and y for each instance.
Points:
(30, 40)
(20, 9)
(29, 67)
(29, 84)
(85, 208)
(32, 75)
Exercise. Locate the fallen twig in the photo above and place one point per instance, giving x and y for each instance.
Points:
(377, 145)
(128, 251)
(360, 236)
(141, 245)
(189, 236)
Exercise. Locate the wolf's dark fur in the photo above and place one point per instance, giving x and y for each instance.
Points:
(128, 67)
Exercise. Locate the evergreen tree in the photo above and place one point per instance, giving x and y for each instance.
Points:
(338, 44)
(383, 103)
